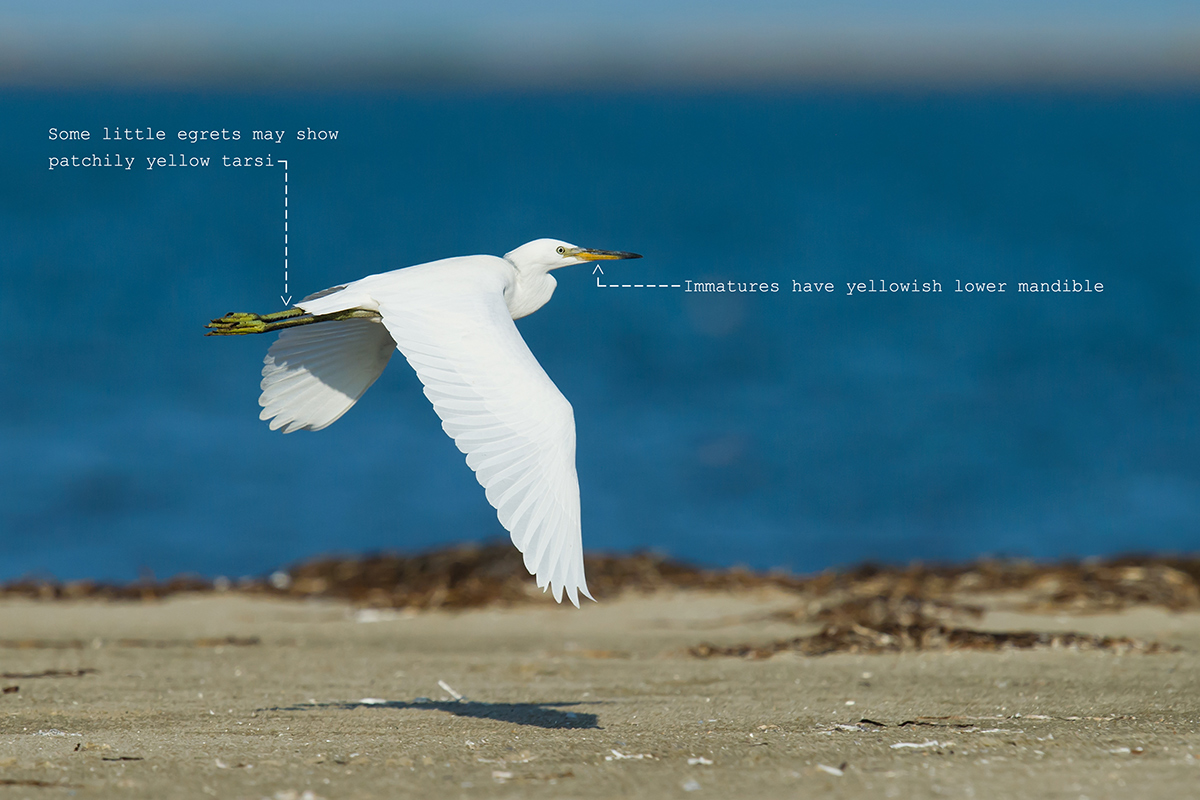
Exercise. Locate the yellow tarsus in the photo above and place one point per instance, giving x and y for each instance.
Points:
(236, 323)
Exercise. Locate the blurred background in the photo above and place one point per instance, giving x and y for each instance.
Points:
(762, 141)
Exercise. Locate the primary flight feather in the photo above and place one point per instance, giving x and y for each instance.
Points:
(453, 321)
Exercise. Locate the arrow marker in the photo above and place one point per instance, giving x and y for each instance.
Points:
(287, 299)
(600, 285)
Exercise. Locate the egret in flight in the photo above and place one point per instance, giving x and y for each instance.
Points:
(453, 321)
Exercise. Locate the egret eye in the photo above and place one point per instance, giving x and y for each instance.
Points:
(560, 249)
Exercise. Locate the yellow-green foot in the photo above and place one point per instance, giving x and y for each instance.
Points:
(237, 322)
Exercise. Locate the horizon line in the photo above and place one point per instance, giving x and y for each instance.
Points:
(832, 64)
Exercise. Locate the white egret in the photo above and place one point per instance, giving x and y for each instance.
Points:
(453, 321)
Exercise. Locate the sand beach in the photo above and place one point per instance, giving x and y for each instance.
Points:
(663, 692)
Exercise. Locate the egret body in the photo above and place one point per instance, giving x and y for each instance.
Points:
(453, 321)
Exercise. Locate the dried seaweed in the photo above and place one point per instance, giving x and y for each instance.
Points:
(48, 673)
(925, 636)
(49, 589)
(490, 575)
(1086, 587)
(903, 623)
(470, 577)
(453, 578)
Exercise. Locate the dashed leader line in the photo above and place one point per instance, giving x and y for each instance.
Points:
(632, 285)
(287, 299)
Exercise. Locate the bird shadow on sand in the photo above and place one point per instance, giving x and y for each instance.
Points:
(540, 715)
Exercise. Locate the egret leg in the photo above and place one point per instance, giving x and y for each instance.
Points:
(236, 323)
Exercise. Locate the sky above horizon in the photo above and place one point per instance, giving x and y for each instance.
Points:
(536, 40)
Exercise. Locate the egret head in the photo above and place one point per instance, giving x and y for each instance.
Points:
(544, 255)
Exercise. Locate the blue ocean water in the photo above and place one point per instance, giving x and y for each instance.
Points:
(776, 429)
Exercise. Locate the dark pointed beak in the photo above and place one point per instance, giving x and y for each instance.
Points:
(588, 254)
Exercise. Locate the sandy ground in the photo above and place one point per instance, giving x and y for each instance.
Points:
(240, 697)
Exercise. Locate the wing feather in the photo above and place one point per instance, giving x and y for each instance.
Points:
(313, 374)
(499, 406)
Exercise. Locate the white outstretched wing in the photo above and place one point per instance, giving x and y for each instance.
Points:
(498, 405)
(314, 373)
